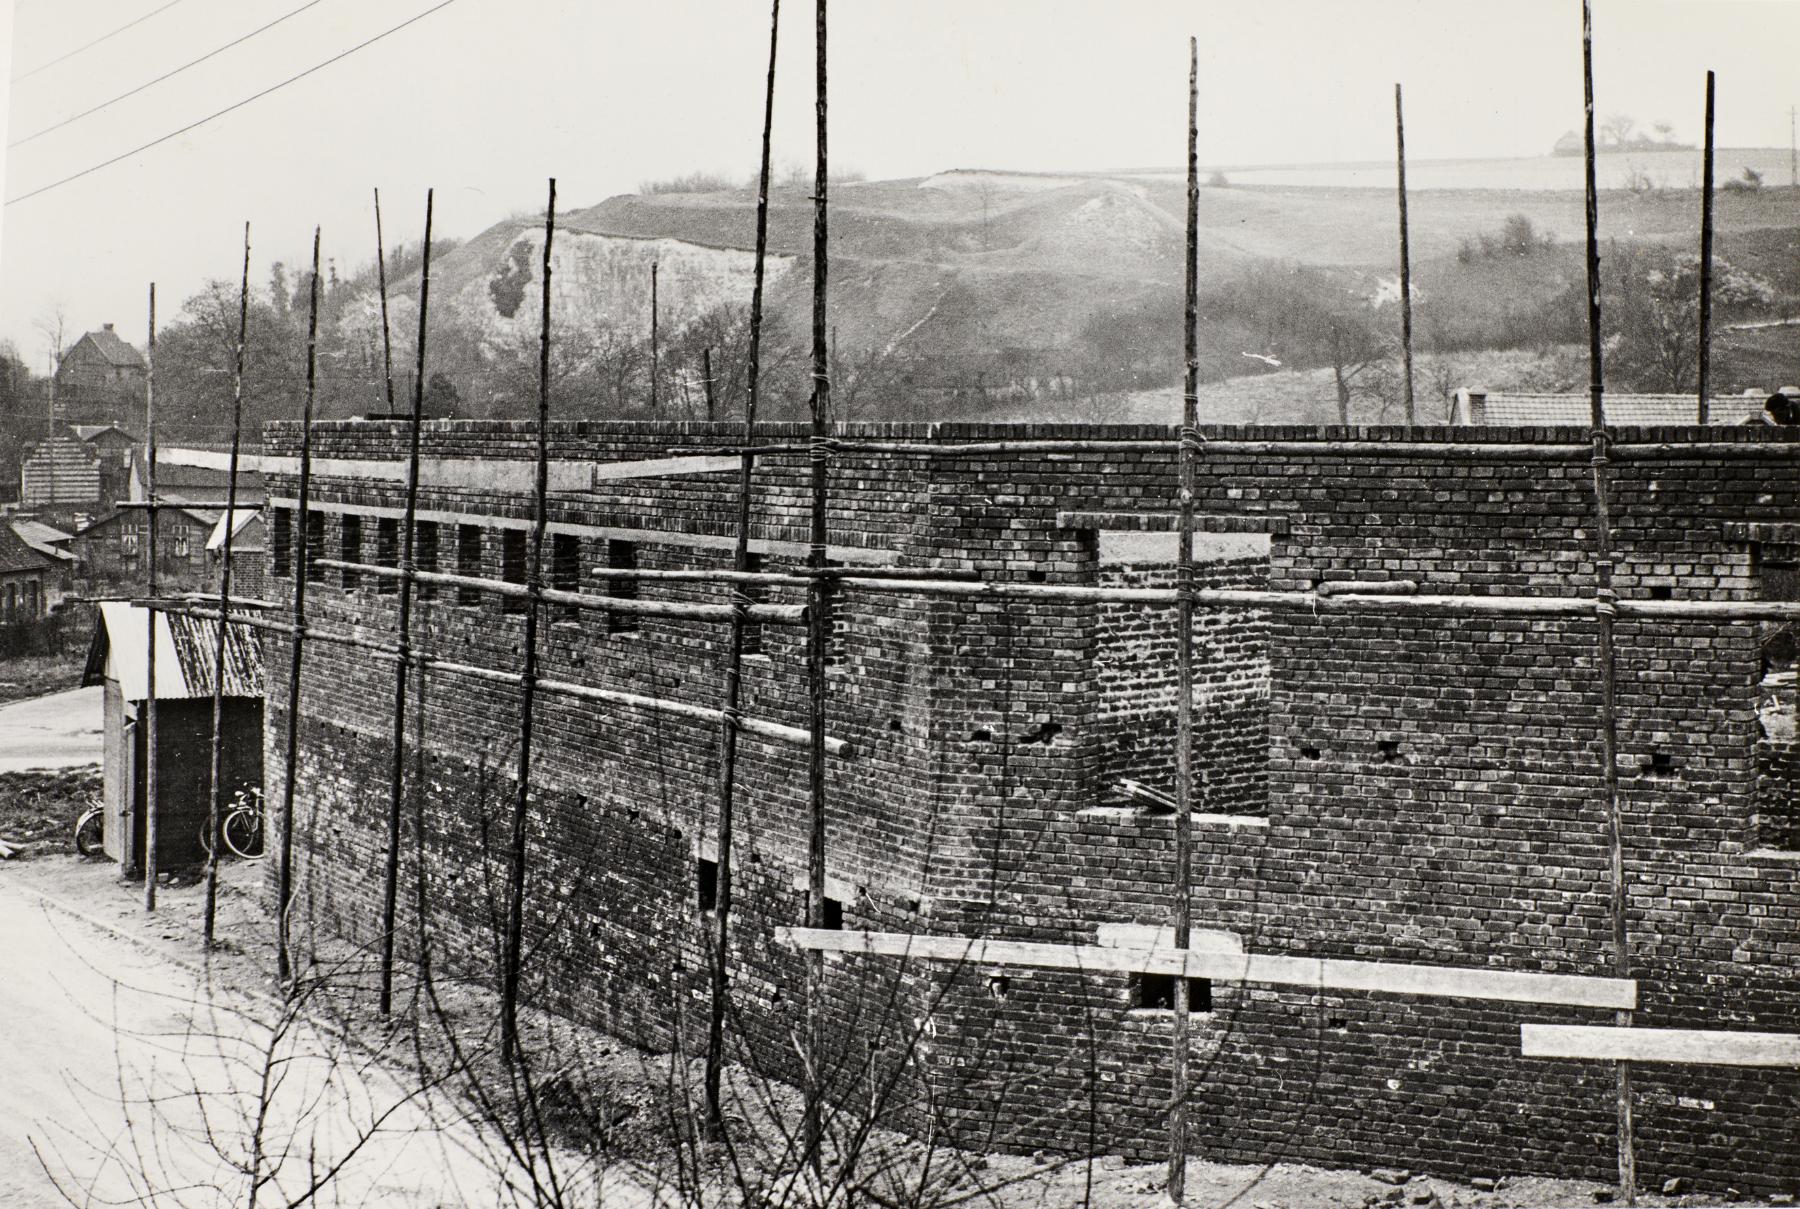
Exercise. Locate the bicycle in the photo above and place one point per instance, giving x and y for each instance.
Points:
(242, 829)
(90, 829)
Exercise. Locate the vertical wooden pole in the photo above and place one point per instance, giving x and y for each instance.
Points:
(1184, 646)
(151, 621)
(534, 586)
(819, 625)
(284, 887)
(390, 887)
(706, 369)
(734, 651)
(218, 695)
(1406, 326)
(1706, 259)
(1604, 609)
(654, 339)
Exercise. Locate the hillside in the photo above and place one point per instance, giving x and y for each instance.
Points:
(974, 277)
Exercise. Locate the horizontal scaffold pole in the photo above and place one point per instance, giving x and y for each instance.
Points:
(764, 614)
(1316, 973)
(1696, 1047)
(775, 731)
(153, 505)
(1435, 451)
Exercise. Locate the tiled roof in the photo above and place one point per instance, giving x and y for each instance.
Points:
(44, 539)
(186, 650)
(116, 352)
(17, 555)
(1551, 410)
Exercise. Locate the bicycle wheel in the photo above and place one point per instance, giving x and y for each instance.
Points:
(89, 833)
(243, 832)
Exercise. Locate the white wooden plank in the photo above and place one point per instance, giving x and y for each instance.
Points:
(474, 474)
(1379, 977)
(1697, 1047)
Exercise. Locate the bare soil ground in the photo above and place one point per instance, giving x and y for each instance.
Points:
(25, 676)
(609, 1107)
(38, 808)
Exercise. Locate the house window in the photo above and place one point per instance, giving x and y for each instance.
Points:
(387, 552)
(513, 556)
(315, 545)
(1156, 993)
(12, 604)
(621, 556)
(425, 556)
(565, 571)
(281, 541)
(1777, 570)
(182, 549)
(706, 882)
(128, 538)
(350, 547)
(756, 594)
(468, 561)
(31, 601)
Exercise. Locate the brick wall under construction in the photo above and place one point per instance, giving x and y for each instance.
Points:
(1413, 789)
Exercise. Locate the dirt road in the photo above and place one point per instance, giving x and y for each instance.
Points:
(95, 1026)
(54, 731)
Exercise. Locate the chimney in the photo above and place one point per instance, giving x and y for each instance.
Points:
(107, 326)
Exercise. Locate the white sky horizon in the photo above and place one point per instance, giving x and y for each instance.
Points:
(484, 100)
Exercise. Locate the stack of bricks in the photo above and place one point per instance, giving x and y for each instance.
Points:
(1388, 787)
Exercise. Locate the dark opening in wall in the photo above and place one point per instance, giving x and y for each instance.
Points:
(1777, 570)
(387, 552)
(834, 914)
(756, 594)
(350, 547)
(281, 541)
(1156, 993)
(1309, 753)
(1662, 592)
(468, 561)
(425, 555)
(565, 571)
(706, 882)
(998, 986)
(1659, 764)
(1387, 751)
(1034, 576)
(513, 550)
(315, 545)
(621, 556)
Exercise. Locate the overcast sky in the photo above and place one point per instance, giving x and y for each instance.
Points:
(484, 99)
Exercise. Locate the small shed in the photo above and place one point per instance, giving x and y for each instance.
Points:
(186, 647)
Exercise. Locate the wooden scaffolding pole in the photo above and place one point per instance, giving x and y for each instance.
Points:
(734, 649)
(1406, 326)
(1704, 384)
(218, 694)
(1184, 647)
(534, 585)
(390, 882)
(655, 342)
(819, 631)
(284, 885)
(150, 622)
(1605, 610)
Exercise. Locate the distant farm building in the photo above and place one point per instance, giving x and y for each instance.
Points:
(186, 650)
(113, 548)
(1473, 405)
(98, 376)
(27, 578)
(60, 472)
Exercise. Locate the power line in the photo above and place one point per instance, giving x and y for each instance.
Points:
(166, 75)
(90, 45)
(344, 54)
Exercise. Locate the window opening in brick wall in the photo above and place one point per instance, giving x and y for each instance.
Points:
(621, 556)
(512, 566)
(837, 643)
(281, 543)
(706, 883)
(1659, 764)
(834, 914)
(468, 561)
(1777, 570)
(565, 571)
(315, 545)
(757, 593)
(350, 547)
(425, 555)
(1156, 993)
(387, 552)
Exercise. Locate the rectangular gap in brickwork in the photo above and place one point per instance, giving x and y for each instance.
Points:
(425, 555)
(468, 561)
(350, 547)
(565, 571)
(1662, 592)
(834, 915)
(706, 883)
(757, 594)
(1777, 569)
(1387, 751)
(1156, 993)
(1659, 764)
(513, 554)
(387, 552)
(315, 545)
(281, 542)
(621, 556)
